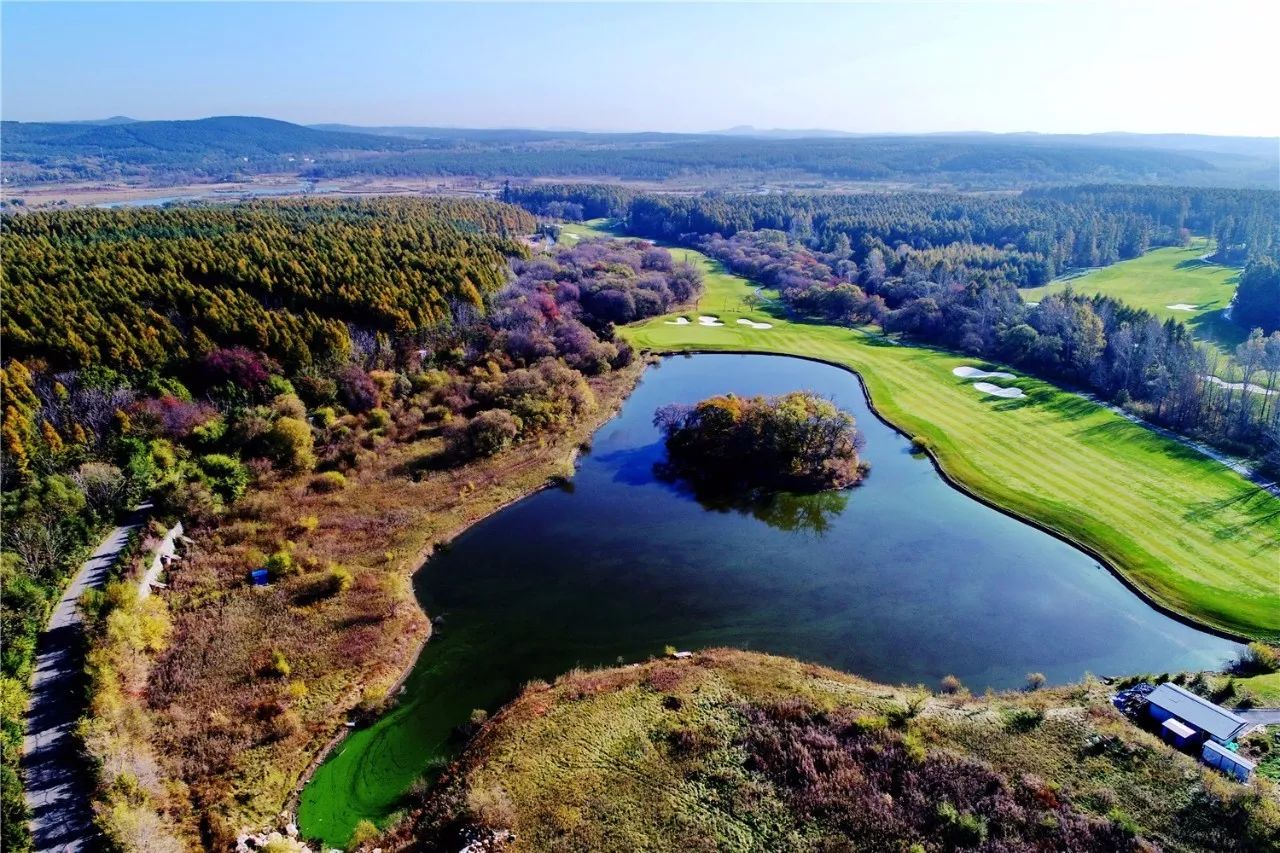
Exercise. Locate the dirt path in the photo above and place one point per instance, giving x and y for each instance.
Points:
(54, 771)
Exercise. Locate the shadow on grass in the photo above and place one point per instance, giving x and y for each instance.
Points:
(1064, 404)
(1001, 405)
(1255, 504)
(872, 339)
(1213, 327)
(1132, 433)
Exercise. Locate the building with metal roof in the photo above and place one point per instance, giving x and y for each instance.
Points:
(1178, 733)
(1169, 701)
(1217, 755)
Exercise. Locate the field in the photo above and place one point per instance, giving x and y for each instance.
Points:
(739, 751)
(1164, 277)
(1192, 535)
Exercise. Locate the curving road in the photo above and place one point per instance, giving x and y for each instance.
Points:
(56, 778)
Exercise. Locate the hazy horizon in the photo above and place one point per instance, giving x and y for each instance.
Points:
(907, 68)
(633, 130)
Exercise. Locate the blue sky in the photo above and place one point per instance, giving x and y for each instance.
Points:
(1052, 67)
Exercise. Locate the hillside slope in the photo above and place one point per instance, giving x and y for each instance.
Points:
(733, 750)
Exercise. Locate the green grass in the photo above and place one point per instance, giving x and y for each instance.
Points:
(1194, 536)
(571, 232)
(1164, 277)
(1264, 689)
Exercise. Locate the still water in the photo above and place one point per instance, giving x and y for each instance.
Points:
(902, 579)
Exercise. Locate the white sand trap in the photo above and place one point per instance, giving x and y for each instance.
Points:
(704, 320)
(753, 324)
(572, 236)
(1032, 304)
(997, 391)
(1182, 306)
(679, 321)
(975, 373)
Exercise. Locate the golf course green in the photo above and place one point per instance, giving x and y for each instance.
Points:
(1162, 278)
(1190, 534)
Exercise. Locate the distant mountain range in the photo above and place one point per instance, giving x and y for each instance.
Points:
(103, 121)
(235, 147)
(230, 135)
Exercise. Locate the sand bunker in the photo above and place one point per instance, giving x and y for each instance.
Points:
(704, 320)
(753, 324)
(997, 391)
(679, 321)
(1182, 306)
(975, 373)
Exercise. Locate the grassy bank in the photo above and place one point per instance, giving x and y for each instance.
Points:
(732, 750)
(1164, 277)
(1192, 535)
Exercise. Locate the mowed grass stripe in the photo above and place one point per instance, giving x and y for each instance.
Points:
(1193, 535)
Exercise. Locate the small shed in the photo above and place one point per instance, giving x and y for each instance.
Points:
(1177, 733)
(259, 577)
(1217, 755)
(1210, 721)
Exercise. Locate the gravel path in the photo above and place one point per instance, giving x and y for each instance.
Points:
(56, 777)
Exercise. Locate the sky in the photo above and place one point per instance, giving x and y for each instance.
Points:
(1061, 67)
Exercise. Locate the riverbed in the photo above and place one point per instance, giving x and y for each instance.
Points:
(902, 579)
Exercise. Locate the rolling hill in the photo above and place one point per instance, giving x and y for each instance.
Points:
(163, 153)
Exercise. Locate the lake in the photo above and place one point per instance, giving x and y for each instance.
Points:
(902, 579)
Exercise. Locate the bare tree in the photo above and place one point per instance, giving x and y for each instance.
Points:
(43, 548)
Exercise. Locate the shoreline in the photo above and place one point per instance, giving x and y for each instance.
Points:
(420, 560)
(969, 491)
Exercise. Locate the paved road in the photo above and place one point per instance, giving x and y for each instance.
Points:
(1262, 716)
(56, 779)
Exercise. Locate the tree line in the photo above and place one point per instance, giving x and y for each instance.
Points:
(570, 202)
(1028, 239)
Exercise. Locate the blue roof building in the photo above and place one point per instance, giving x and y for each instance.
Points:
(1213, 722)
(1216, 755)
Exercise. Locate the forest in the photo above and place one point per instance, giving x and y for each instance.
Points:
(1035, 235)
(147, 289)
(199, 355)
(955, 161)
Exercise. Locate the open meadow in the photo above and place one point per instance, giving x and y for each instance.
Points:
(1192, 535)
